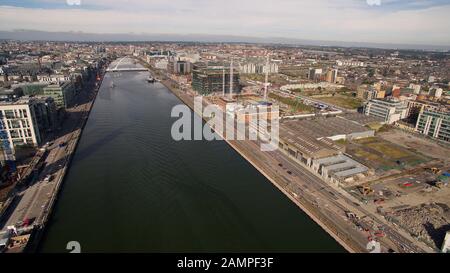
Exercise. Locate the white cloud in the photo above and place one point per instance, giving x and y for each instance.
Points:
(373, 2)
(73, 2)
(320, 19)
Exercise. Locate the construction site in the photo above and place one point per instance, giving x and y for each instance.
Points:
(408, 189)
(396, 188)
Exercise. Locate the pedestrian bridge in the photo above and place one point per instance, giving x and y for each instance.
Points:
(126, 69)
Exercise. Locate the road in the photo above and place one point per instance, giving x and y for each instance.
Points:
(35, 201)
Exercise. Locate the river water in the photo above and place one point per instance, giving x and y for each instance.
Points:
(131, 188)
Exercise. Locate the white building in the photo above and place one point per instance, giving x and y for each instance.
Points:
(162, 64)
(436, 92)
(350, 63)
(390, 110)
(53, 78)
(19, 122)
(415, 87)
(314, 74)
(322, 85)
(258, 67)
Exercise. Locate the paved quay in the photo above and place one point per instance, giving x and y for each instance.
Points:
(37, 200)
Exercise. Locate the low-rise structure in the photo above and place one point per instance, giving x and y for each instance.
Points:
(390, 110)
(339, 169)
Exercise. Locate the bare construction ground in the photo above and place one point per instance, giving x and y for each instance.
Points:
(416, 143)
(427, 222)
(384, 156)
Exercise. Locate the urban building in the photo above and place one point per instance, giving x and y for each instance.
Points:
(10, 94)
(181, 67)
(26, 120)
(436, 92)
(332, 76)
(370, 93)
(63, 93)
(434, 123)
(415, 88)
(311, 143)
(390, 110)
(315, 74)
(162, 64)
(53, 78)
(339, 169)
(258, 66)
(210, 78)
(350, 63)
(31, 89)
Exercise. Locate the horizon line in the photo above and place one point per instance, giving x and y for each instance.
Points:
(222, 38)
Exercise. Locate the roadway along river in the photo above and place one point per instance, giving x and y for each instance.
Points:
(131, 188)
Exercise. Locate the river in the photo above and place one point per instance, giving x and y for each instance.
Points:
(131, 188)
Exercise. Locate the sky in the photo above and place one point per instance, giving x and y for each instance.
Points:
(374, 21)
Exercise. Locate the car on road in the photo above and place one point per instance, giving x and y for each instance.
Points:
(62, 144)
(48, 178)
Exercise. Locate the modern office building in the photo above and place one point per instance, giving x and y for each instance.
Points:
(26, 120)
(211, 78)
(390, 110)
(434, 123)
(181, 67)
(63, 93)
(315, 74)
(332, 75)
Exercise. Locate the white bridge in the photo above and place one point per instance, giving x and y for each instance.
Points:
(117, 69)
(126, 69)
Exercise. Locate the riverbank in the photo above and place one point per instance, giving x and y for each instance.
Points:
(276, 180)
(71, 141)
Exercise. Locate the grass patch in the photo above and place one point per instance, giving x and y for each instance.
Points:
(389, 150)
(294, 105)
(343, 101)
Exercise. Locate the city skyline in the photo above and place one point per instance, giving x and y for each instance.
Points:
(367, 21)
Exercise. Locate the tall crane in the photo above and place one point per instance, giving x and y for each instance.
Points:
(266, 82)
(223, 82)
(231, 79)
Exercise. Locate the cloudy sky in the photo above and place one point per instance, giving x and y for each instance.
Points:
(376, 21)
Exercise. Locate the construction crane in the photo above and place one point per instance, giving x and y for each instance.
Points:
(231, 79)
(223, 81)
(266, 82)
